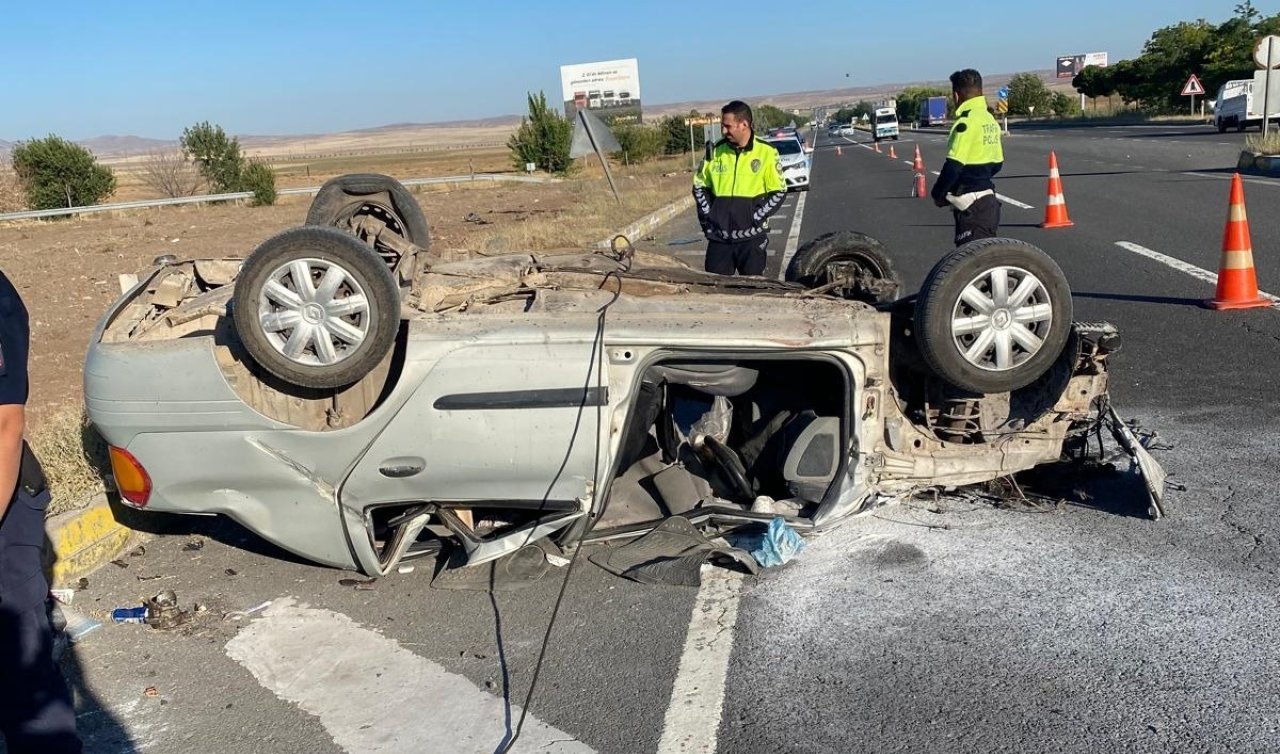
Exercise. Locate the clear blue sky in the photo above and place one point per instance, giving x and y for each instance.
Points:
(83, 69)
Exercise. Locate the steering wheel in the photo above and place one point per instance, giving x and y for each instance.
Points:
(728, 462)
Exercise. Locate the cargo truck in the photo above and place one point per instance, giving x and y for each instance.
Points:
(1240, 102)
(933, 112)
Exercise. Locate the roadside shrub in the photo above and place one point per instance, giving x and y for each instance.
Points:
(639, 143)
(1269, 144)
(56, 173)
(543, 138)
(259, 178)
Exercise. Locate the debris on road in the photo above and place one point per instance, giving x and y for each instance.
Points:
(151, 691)
(238, 614)
(129, 615)
(193, 546)
(163, 611)
(673, 553)
(364, 585)
(778, 544)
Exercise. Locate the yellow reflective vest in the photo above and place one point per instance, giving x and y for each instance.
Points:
(974, 151)
(736, 190)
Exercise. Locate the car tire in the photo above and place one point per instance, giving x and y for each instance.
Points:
(349, 329)
(1013, 344)
(343, 201)
(816, 261)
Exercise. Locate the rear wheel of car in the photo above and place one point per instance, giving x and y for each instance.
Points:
(849, 264)
(993, 315)
(371, 206)
(314, 308)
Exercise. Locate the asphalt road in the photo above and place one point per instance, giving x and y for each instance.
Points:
(947, 627)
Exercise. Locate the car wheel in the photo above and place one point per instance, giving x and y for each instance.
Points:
(313, 307)
(849, 264)
(993, 315)
(378, 210)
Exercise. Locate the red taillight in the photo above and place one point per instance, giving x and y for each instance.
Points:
(133, 481)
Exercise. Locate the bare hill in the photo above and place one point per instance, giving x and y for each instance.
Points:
(494, 130)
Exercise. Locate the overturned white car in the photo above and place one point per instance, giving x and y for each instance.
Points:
(355, 399)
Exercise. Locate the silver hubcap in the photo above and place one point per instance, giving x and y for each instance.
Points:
(1001, 319)
(313, 312)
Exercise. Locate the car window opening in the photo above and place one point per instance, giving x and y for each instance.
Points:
(724, 434)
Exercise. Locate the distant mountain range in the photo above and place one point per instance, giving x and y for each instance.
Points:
(116, 146)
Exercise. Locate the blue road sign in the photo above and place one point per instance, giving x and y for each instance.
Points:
(1003, 93)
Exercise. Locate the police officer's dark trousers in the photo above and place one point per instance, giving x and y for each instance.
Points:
(980, 220)
(36, 715)
(742, 258)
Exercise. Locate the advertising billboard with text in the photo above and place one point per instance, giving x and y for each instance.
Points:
(610, 88)
(1069, 65)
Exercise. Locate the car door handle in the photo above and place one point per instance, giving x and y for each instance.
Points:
(399, 468)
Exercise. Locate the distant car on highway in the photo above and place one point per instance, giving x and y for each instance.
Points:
(793, 160)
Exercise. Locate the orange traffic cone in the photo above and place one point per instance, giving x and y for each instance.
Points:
(1055, 212)
(839, 151)
(893, 154)
(917, 166)
(877, 147)
(1237, 278)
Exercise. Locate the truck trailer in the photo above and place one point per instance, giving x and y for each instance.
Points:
(933, 112)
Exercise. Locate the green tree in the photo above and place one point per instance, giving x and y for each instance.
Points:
(218, 156)
(1094, 82)
(543, 138)
(223, 164)
(863, 109)
(1027, 91)
(57, 173)
(768, 116)
(844, 115)
(675, 134)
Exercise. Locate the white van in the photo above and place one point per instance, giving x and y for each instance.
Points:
(886, 124)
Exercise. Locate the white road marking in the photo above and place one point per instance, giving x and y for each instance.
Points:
(692, 724)
(373, 696)
(1196, 272)
(793, 238)
(1253, 181)
(1002, 197)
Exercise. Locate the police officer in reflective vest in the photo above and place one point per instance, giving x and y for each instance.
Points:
(974, 156)
(735, 190)
(35, 708)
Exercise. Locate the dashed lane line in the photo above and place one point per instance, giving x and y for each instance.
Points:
(1196, 272)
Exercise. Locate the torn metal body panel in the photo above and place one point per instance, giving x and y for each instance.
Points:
(571, 396)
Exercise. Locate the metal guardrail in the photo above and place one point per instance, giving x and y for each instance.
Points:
(240, 195)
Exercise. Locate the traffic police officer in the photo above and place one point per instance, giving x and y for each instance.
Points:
(974, 156)
(35, 709)
(735, 190)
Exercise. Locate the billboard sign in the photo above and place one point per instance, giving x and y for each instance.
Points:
(1069, 65)
(610, 88)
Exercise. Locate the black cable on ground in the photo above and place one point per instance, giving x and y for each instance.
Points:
(596, 365)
